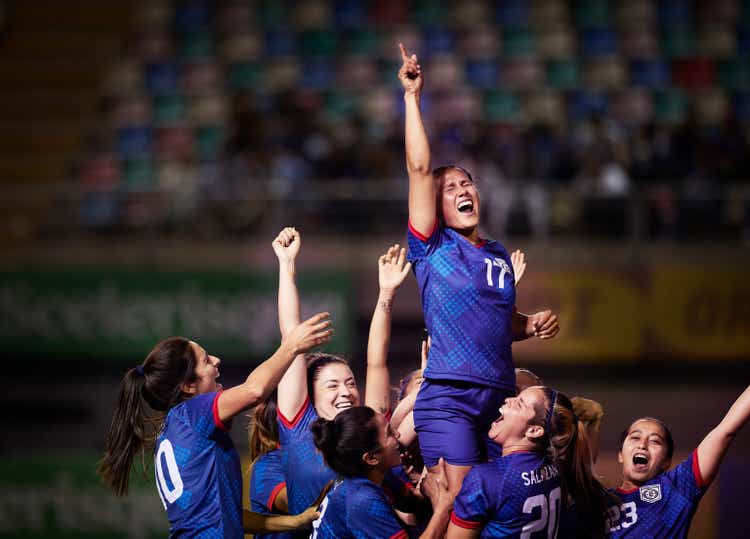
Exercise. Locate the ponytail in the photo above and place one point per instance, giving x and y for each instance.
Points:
(568, 448)
(263, 430)
(147, 393)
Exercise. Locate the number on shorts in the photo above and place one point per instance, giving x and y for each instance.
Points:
(165, 493)
(550, 514)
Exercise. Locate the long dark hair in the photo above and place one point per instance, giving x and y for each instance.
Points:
(344, 439)
(566, 444)
(147, 393)
(263, 430)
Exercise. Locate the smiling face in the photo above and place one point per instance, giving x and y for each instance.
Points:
(334, 390)
(518, 418)
(644, 453)
(206, 372)
(459, 201)
(388, 454)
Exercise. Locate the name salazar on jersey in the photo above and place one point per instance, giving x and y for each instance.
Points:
(650, 493)
(544, 473)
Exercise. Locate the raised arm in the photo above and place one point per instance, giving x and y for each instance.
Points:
(392, 270)
(293, 386)
(422, 210)
(714, 446)
(264, 378)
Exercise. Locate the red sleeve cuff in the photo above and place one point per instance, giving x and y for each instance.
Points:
(421, 236)
(467, 524)
(275, 492)
(697, 471)
(296, 419)
(217, 420)
(401, 534)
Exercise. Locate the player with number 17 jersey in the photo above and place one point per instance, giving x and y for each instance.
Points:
(468, 297)
(198, 473)
(515, 496)
(662, 507)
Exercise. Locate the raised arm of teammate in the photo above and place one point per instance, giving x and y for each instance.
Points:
(422, 203)
(264, 378)
(292, 390)
(714, 446)
(392, 271)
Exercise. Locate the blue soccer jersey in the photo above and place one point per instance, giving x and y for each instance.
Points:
(468, 297)
(304, 469)
(515, 496)
(266, 481)
(357, 508)
(198, 473)
(661, 508)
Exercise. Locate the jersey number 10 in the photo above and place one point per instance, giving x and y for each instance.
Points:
(165, 493)
(550, 514)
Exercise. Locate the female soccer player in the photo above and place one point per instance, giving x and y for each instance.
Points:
(544, 470)
(360, 446)
(198, 472)
(656, 501)
(322, 385)
(468, 297)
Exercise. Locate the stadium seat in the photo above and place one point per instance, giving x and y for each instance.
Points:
(545, 107)
(317, 73)
(583, 104)
(242, 47)
(633, 107)
(717, 41)
(319, 42)
(467, 14)
(502, 106)
(244, 76)
(556, 42)
(196, 46)
(428, 13)
(356, 73)
(100, 209)
(639, 42)
(693, 73)
(155, 46)
(131, 111)
(482, 43)
(280, 42)
(483, 74)
(678, 42)
(670, 106)
(192, 15)
(362, 41)
(162, 78)
(350, 13)
(341, 105)
(636, 14)
(445, 71)
(711, 107)
(674, 13)
(547, 13)
(606, 73)
(598, 42)
(156, 14)
(138, 174)
(133, 142)
(591, 14)
(563, 74)
(651, 73)
(174, 142)
(389, 12)
(311, 14)
(518, 42)
(735, 74)
(169, 109)
(522, 74)
(513, 14)
(202, 78)
(208, 109)
(209, 142)
(438, 41)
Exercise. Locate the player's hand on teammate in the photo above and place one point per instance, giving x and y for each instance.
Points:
(542, 324)
(435, 486)
(392, 268)
(311, 514)
(287, 244)
(410, 73)
(313, 332)
(518, 261)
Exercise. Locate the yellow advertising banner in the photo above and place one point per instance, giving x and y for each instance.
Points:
(669, 312)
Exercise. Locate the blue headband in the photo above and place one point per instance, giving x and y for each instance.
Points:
(139, 370)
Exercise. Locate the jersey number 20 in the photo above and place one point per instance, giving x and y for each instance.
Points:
(550, 514)
(165, 493)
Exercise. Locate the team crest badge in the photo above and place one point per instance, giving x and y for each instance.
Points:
(651, 493)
